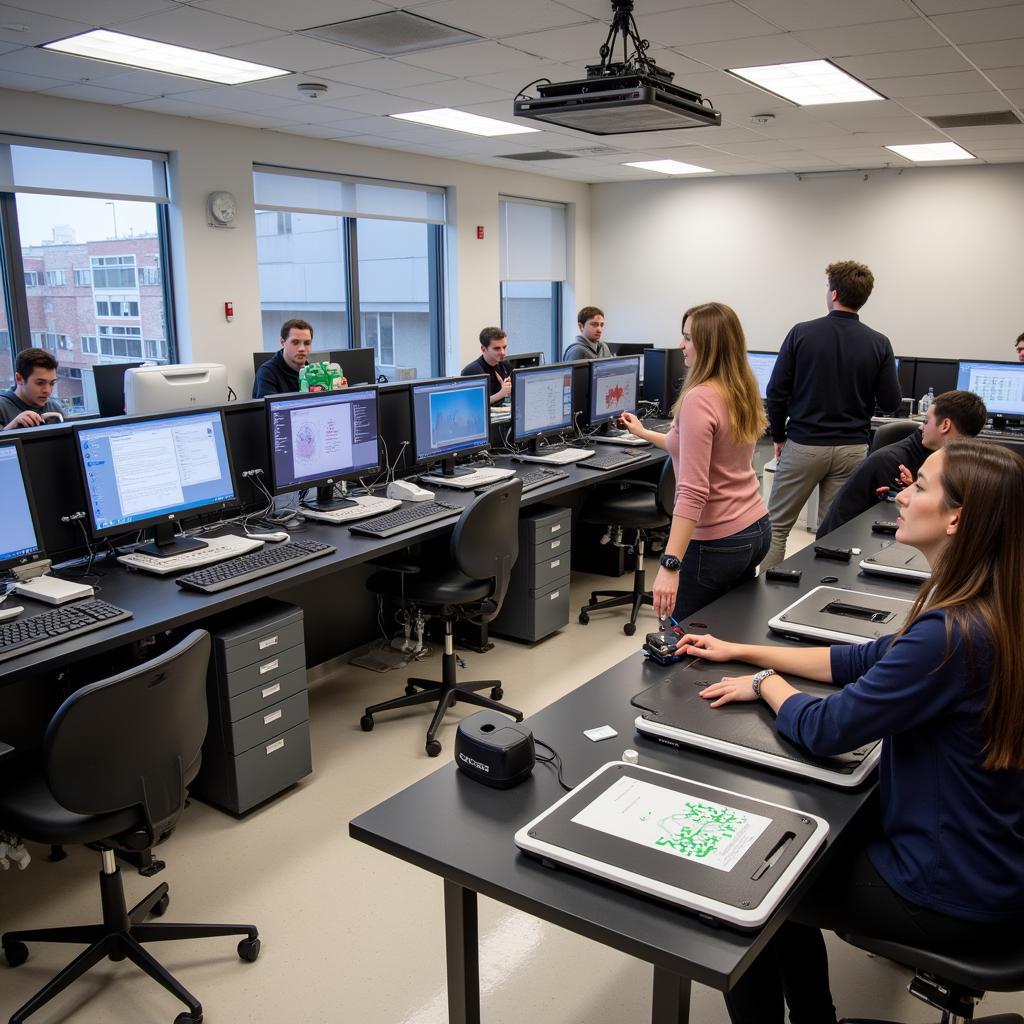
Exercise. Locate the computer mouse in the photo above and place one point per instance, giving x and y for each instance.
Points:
(275, 538)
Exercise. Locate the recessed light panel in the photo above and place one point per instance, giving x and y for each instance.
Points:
(460, 121)
(933, 151)
(670, 167)
(808, 83)
(135, 52)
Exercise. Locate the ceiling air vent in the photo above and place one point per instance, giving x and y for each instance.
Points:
(391, 33)
(539, 155)
(983, 120)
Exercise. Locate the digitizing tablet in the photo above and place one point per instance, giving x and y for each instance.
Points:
(898, 561)
(673, 712)
(841, 616)
(709, 850)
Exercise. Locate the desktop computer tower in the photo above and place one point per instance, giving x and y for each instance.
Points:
(664, 372)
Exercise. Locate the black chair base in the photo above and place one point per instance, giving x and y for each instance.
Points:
(121, 937)
(635, 599)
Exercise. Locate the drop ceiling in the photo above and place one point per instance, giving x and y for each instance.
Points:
(930, 58)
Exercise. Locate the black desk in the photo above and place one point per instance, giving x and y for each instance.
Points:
(462, 831)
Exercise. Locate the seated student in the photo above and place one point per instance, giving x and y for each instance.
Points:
(942, 863)
(588, 343)
(35, 374)
(280, 375)
(951, 416)
(1019, 346)
(493, 346)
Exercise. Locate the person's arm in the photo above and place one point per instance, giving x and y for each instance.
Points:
(666, 583)
(637, 429)
(504, 391)
(261, 386)
(888, 392)
(810, 662)
(778, 392)
(28, 418)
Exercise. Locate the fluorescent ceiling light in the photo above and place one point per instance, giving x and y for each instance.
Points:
(135, 52)
(460, 121)
(808, 83)
(933, 151)
(670, 167)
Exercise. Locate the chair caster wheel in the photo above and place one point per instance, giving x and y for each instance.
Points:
(249, 950)
(433, 748)
(15, 953)
(629, 628)
(189, 1018)
(409, 689)
(161, 905)
(497, 693)
(584, 618)
(366, 723)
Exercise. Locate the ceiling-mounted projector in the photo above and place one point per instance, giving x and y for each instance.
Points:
(616, 98)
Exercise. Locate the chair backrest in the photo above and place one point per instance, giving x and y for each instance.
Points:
(890, 433)
(133, 739)
(485, 541)
(666, 494)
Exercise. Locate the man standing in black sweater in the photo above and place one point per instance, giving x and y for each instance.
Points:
(828, 378)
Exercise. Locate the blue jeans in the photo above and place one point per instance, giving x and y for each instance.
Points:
(712, 568)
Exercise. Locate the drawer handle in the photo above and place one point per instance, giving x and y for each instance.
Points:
(269, 666)
(556, 528)
(556, 563)
(271, 641)
(276, 745)
(555, 544)
(272, 717)
(551, 597)
(271, 690)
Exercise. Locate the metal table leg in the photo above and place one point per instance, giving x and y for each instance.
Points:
(671, 1002)
(461, 946)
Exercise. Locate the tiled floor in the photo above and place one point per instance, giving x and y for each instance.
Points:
(349, 934)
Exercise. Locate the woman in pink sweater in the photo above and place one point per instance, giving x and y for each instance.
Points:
(720, 527)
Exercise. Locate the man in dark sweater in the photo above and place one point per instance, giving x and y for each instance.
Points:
(951, 416)
(828, 378)
(25, 405)
(492, 364)
(280, 375)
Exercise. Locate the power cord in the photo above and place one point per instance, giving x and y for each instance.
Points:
(556, 760)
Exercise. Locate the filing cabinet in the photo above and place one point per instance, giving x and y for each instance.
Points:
(537, 602)
(257, 743)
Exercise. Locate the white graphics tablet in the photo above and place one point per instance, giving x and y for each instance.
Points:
(833, 615)
(712, 851)
(898, 561)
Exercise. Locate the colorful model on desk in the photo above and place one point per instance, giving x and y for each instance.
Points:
(945, 694)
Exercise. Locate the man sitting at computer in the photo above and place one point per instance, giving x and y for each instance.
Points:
(1019, 345)
(35, 374)
(492, 363)
(588, 343)
(280, 375)
(951, 416)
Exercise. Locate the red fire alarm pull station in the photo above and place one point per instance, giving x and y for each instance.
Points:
(229, 311)
(480, 231)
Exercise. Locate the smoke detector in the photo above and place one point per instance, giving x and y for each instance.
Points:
(312, 90)
(761, 119)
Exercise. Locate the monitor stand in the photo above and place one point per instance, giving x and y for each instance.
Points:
(167, 542)
(325, 500)
(447, 467)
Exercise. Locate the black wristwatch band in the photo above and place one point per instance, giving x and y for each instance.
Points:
(671, 563)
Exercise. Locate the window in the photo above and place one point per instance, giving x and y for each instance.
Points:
(150, 276)
(116, 307)
(90, 346)
(50, 340)
(156, 349)
(56, 278)
(120, 341)
(83, 278)
(113, 272)
(31, 279)
(531, 314)
(379, 334)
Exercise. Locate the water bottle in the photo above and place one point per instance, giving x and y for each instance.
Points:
(925, 404)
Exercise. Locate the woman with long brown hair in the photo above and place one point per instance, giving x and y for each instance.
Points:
(943, 866)
(720, 529)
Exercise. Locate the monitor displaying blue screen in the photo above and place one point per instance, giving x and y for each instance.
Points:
(143, 472)
(762, 363)
(450, 416)
(999, 385)
(614, 387)
(19, 537)
(541, 401)
(321, 437)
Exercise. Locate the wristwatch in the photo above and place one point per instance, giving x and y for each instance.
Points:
(671, 563)
(759, 678)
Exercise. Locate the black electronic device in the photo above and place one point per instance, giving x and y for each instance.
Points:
(450, 418)
(20, 537)
(519, 360)
(777, 575)
(265, 562)
(408, 517)
(629, 348)
(542, 403)
(613, 388)
(359, 365)
(58, 624)
(884, 526)
(491, 749)
(664, 373)
(661, 646)
(108, 379)
(938, 374)
(836, 554)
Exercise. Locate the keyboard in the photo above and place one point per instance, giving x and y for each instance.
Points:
(482, 477)
(1010, 435)
(557, 456)
(604, 460)
(64, 623)
(218, 549)
(364, 507)
(215, 578)
(537, 477)
(406, 518)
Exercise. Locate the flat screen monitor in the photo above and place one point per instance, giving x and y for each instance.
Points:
(323, 438)
(629, 348)
(664, 373)
(999, 385)
(541, 402)
(938, 374)
(109, 381)
(762, 363)
(614, 388)
(154, 471)
(154, 389)
(358, 364)
(520, 359)
(450, 417)
(20, 541)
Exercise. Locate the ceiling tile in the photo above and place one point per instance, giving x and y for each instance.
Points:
(968, 103)
(100, 13)
(94, 94)
(946, 6)
(983, 26)
(930, 85)
(51, 64)
(502, 19)
(456, 93)
(1000, 136)
(511, 82)
(745, 53)
(936, 60)
(38, 28)
(296, 53)
(315, 112)
(313, 131)
(762, 147)
(293, 16)
(1007, 78)
(601, 9)
(188, 26)
(471, 59)
(26, 83)
(709, 24)
(177, 106)
(234, 97)
(1005, 54)
(580, 43)
(382, 103)
(809, 14)
(240, 118)
(910, 34)
(149, 83)
(380, 73)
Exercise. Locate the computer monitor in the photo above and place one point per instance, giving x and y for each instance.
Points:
(541, 403)
(522, 359)
(20, 541)
(109, 381)
(762, 363)
(358, 364)
(999, 385)
(938, 374)
(322, 438)
(664, 373)
(153, 471)
(259, 358)
(154, 389)
(629, 348)
(614, 388)
(450, 417)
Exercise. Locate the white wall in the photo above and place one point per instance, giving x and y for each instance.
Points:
(212, 265)
(946, 246)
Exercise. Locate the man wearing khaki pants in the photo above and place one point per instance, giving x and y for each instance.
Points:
(828, 378)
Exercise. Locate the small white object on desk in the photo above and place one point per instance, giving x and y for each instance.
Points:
(406, 490)
(600, 732)
(275, 538)
(10, 613)
(52, 590)
(630, 756)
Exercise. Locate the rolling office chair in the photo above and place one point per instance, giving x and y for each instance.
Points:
(953, 982)
(631, 505)
(890, 433)
(116, 762)
(483, 549)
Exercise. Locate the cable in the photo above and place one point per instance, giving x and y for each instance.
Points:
(556, 760)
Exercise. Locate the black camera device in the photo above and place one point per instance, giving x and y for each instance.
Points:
(661, 647)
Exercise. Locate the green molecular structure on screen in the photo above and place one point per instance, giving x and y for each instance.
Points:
(700, 830)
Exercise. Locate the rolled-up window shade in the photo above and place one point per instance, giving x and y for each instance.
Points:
(532, 240)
